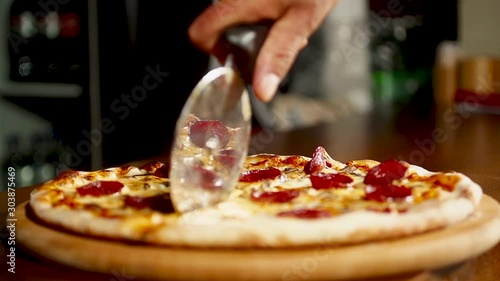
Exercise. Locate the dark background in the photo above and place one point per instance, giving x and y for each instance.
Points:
(158, 39)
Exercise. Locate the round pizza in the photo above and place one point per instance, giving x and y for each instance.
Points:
(280, 201)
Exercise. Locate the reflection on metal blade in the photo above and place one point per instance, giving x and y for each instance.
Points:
(211, 141)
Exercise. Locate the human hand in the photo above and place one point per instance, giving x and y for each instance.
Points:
(294, 22)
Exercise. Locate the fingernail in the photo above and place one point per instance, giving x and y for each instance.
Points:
(268, 85)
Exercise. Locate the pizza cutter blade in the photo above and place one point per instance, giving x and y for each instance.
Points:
(213, 131)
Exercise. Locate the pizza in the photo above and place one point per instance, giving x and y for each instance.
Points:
(280, 201)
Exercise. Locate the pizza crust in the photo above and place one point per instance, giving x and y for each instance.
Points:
(351, 228)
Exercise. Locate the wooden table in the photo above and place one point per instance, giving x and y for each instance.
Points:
(437, 140)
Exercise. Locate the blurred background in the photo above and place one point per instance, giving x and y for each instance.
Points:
(86, 84)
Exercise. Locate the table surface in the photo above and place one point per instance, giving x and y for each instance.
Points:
(439, 139)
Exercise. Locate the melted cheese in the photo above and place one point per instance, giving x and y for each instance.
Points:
(239, 204)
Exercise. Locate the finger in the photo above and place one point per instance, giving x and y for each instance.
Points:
(285, 40)
(205, 31)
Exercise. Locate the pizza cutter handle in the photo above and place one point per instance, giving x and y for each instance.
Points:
(243, 44)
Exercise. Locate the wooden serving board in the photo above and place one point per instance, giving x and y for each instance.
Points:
(437, 249)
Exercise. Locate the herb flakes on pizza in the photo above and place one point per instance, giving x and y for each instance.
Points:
(280, 201)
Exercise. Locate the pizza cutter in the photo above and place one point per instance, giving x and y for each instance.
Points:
(212, 133)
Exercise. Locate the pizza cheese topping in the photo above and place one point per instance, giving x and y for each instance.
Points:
(274, 182)
(338, 188)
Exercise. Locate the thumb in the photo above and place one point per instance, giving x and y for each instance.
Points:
(286, 38)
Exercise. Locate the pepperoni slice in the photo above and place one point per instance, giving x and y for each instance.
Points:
(305, 214)
(294, 161)
(379, 186)
(385, 173)
(98, 188)
(209, 134)
(160, 203)
(324, 181)
(261, 174)
(66, 174)
(318, 161)
(383, 192)
(275, 196)
(156, 168)
(126, 168)
(207, 179)
(227, 157)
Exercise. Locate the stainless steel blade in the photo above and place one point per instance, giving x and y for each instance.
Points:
(206, 159)
(213, 131)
